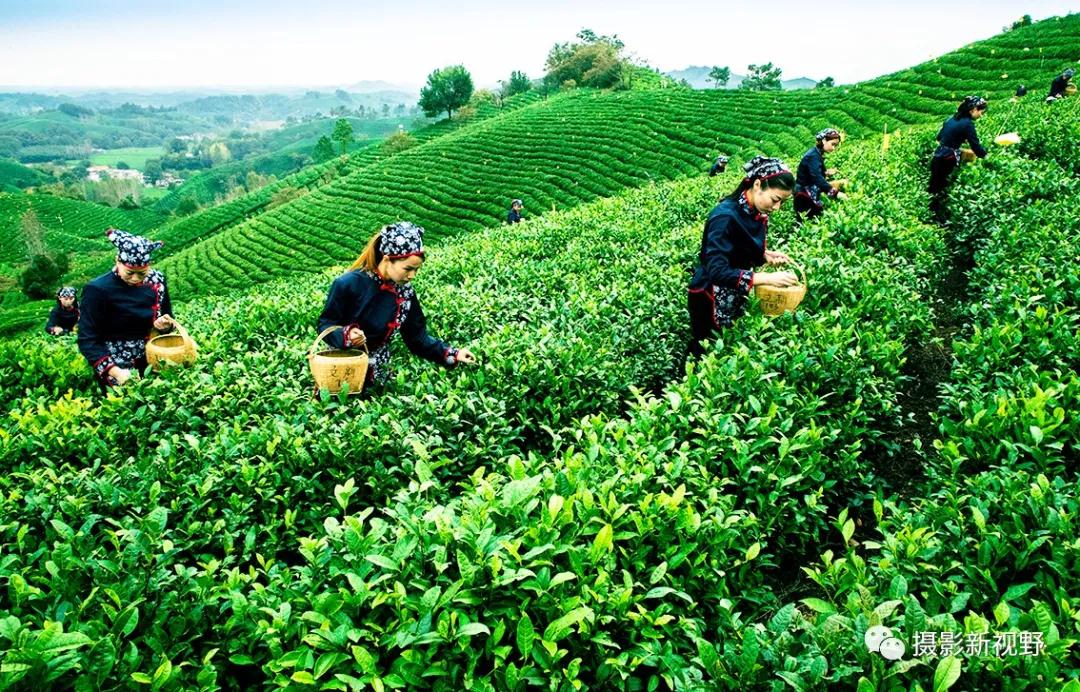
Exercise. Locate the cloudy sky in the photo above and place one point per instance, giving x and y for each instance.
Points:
(188, 43)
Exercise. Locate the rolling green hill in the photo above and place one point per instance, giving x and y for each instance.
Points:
(580, 146)
(287, 150)
(581, 508)
(14, 176)
(56, 135)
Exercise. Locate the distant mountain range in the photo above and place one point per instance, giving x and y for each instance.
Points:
(698, 77)
(256, 104)
(21, 100)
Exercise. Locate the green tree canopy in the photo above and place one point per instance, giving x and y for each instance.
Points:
(719, 76)
(343, 134)
(324, 150)
(519, 83)
(447, 89)
(592, 61)
(762, 78)
(825, 83)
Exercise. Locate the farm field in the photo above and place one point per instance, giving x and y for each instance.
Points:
(584, 509)
(134, 157)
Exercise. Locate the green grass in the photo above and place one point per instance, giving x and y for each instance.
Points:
(133, 156)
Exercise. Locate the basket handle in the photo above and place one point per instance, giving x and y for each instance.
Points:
(179, 328)
(798, 270)
(314, 344)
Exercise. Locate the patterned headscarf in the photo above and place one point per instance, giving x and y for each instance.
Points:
(722, 160)
(762, 167)
(66, 292)
(401, 239)
(132, 250)
(1068, 74)
(827, 133)
(517, 202)
(971, 103)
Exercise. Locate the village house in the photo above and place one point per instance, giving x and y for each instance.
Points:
(97, 173)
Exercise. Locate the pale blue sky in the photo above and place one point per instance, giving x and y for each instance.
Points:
(187, 43)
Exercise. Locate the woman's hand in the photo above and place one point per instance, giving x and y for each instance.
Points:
(119, 374)
(772, 257)
(841, 195)
(464, 355)
(830, 172)
(164, 323)
(356, 337)
(780, 279)
(56, 331)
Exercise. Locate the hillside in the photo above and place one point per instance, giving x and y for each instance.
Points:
(579, 146)
(50, 135)
(581, 508)
(15, 176)
(288, 149)
(74, 227)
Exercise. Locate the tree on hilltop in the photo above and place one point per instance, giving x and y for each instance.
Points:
(719, 76)
(447, 89)
(593, 61)
(762, 78)
(825, 83)
(343, 134)
(519, 83)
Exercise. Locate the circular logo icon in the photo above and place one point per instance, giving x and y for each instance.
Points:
(892, 649)
(875, 635)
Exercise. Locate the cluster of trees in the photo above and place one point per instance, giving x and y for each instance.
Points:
(758, 78)
(74, 111)
(591, 61)
(369, 113)
(342, 134)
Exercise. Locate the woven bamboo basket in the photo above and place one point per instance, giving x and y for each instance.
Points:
(176, 348)
(333, 368)
(1070, 89)
(776, 300)
(967, 155)
(839, 184)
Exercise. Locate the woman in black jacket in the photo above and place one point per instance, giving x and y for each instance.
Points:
(374, 300)
(719, 166)
(955, 131)
(1059, 85)
(811, 180)
(65, 316)
(732, 245)
(120, 308)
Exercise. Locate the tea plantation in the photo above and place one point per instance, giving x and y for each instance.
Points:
(582, 510)
(583, 145)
